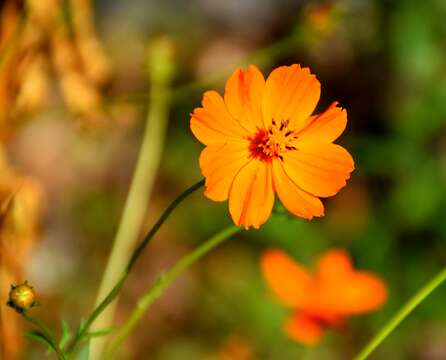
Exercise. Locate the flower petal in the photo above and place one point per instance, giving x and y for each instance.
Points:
(290, 282)
(342, 290)
(251, 197)
(320, 169)
(220, 164)
(295, 199)
(334, 263)
(212, 123)
(291, 93)
(304, 329)
(243, 97)
(324, 127)
(353, 293)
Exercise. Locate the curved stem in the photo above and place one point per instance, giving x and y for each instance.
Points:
(405, 310)
(163, 282)
(47, 333)
(160, 221)
(115, 291)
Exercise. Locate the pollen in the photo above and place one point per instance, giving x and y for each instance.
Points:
(268, 144)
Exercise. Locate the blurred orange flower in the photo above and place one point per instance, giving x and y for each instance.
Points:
(261, 139)
(321, 18)
(325, 298)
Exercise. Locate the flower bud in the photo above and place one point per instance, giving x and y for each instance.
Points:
(22, 297)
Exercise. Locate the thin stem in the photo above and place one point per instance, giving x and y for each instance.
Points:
(405, 310)
(160, 221)
(115, 291)
(47, 333)
(140, 189)
(163, 282)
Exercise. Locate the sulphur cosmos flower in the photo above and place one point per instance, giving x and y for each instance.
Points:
(322, 299)
(262, 140)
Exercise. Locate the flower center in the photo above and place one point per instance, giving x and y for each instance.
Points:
(272, 143)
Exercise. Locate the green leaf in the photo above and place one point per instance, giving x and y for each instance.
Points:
(99, 333)
(66, 334)
(81, 326)
(40, 337)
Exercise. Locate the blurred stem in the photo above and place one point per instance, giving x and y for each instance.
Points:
(264, 56)
(405, 310)
(160, 72)
(138, 251)
(261, 57)
(47, 334)
(163, 282)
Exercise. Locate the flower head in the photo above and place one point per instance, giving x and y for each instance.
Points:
(322, 299)
(261, 140)
(22, 297)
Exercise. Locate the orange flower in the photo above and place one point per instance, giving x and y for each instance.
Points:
(323, 299)
(261, 139)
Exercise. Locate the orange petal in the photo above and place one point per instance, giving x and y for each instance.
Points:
(355, 294)
(324, 127)
(212, 123)
(295, 199)
(291, 93)
(243, 97)
(251, 197)
(320, 169)
(290, 282)
(368, 293)
(220, 164)
(333, 264)
(304, 329)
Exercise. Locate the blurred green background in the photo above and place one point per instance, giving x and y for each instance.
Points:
(384, 61)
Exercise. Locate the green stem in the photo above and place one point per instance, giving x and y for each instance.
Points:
(405, 310)
(141, 186)
(163, 282)
(47, 333)
(115, 291)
